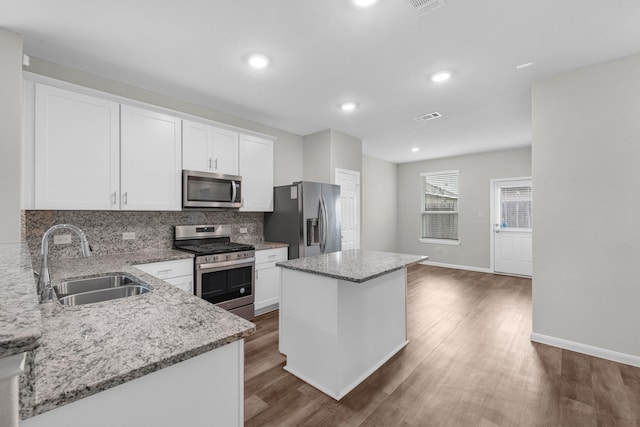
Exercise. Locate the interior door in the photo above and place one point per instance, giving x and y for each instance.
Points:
(513, 227)
(349, 182)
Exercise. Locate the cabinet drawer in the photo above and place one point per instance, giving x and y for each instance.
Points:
(271, 255)
(168, 269)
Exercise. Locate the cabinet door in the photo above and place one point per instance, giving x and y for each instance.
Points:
(197, 140)
(256, 169)
(267, 290)
(76, 151)
(151, 161)
(225, 151)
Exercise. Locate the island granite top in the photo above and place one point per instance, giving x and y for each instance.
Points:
(89, 348)
(20, 319)
(261, 246)
(352, 265)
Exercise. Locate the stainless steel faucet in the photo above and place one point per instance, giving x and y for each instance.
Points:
(45, 292)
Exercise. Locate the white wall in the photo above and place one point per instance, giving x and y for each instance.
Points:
(287, 147)
(476, 171)
(10, 134)
(586, 240)
(379, 186)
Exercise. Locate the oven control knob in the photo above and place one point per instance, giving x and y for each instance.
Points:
(215, 258)
(242, 291)
(228, 256)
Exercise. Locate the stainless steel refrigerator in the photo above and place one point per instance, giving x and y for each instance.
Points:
(306, 215)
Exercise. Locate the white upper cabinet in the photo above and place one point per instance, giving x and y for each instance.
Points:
(76, 151)
(209, 149)
(225, 151)
(86, 150)
(150, 160)
(256, 169)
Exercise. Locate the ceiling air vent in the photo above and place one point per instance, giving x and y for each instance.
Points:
(424, 6)
(425, 117)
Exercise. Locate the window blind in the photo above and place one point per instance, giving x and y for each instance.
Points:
(515, 206)
(440, 205)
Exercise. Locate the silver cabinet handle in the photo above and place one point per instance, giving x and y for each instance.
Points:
(209, 162)
(216, 168)
(125, 198)
(113, 198)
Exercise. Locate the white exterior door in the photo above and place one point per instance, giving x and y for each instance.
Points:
(349, 182)
(512, 226)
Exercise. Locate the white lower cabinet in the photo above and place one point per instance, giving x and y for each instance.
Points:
(176, 272)
(267, 287)
(205, 390)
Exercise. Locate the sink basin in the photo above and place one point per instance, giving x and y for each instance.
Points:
(104, 294)
(72, 287)
(96, 289)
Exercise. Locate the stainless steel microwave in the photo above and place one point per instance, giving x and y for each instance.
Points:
(211, 190)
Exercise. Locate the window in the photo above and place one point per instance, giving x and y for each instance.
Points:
(440, 207)
(515, 207)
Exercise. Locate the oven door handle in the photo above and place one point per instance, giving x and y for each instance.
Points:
(235, 264)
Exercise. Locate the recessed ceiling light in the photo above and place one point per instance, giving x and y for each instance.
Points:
(415, 149)
(348, 106)
(364, 3)
(441, 76)
(258, 61)
(525, 65)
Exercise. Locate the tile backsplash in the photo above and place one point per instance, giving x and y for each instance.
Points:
(153, 230)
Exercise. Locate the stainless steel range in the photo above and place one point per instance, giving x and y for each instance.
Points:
(224, 270)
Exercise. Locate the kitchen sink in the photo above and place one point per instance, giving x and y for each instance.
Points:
(104, 294)
(96, 289)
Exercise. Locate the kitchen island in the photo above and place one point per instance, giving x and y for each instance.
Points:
(342, 316)
(163, 358)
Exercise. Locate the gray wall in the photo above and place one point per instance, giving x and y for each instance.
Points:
(10, 134)
(586, 153)
(379, 205)
(476, 171)
(287, 147)
(327, 150)
(346, 153)
(317, 157)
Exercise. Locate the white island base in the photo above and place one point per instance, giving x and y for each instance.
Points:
(335, 333)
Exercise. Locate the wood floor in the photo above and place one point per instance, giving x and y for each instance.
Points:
(469, 362)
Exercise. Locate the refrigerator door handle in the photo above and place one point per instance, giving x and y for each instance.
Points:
(320, 225)
(324, 224)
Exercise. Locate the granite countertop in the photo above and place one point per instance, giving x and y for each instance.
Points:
(20, 319)
(89, 348)
(269, 245)
(352, 265)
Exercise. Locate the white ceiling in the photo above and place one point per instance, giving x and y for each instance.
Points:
(324, 52)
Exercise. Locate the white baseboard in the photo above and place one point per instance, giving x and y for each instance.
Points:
(602, 353)
(457, 267)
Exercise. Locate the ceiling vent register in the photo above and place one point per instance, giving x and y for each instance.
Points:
(426, 117)
(425, 6)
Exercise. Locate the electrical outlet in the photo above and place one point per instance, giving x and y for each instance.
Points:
(130, 235)
(243, 230)
(62, 239)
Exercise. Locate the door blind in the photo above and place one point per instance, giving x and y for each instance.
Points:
(515, 206)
